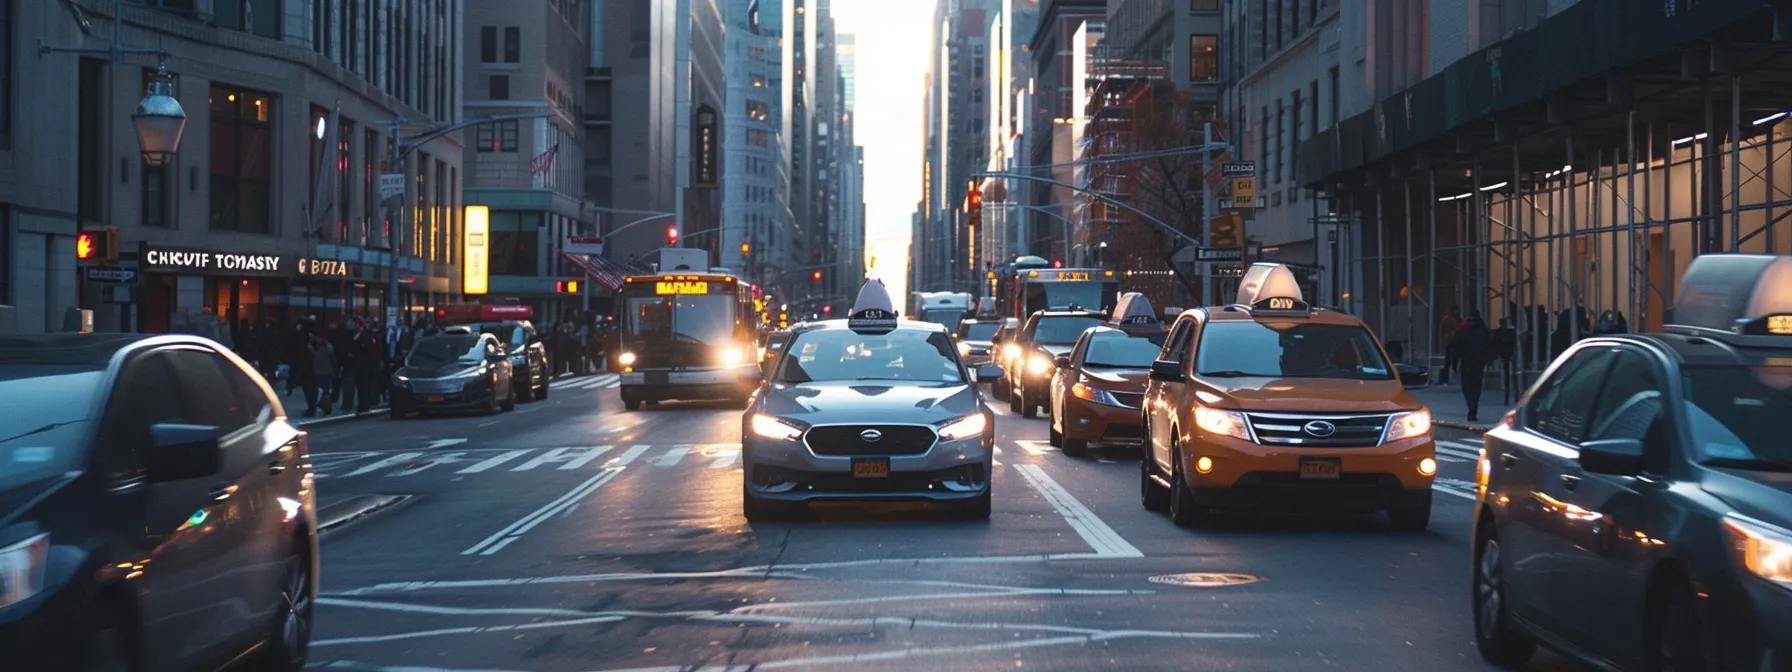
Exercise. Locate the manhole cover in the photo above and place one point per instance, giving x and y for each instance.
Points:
(1205, 580)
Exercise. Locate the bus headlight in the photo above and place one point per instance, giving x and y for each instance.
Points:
(626, 359)
(730, 356)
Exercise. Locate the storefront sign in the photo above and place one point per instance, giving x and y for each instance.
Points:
(324, 268)
(206, 262)
(707, 142)
(584, 244)
(477, 250)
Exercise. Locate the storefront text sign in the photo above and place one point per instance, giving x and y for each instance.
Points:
(326, 268)
(207, 262)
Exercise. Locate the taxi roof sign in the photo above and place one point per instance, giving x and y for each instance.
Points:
(1743, 294)
(873, 312)
(1134, 309)
(1271, 287)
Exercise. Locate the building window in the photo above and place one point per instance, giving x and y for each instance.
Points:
(513, 44)
(1295, 109)
(6, 69)
(1203, 58)
(500, 87)
(155, 196)
(497, 137)
(1335, 95)
(1204, 5)
(758, 138)
(1280, 131)
(516, 238)
(240, 166)
(488, 44)
(1263, 140)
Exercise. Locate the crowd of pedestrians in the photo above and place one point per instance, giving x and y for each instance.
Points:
(1470, 345)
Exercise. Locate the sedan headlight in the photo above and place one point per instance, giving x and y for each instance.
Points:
(400, 380)
(22, 569)
(1010, 352)
(1095, 394)
(965, 427)
(627, 358)
(964, 349)
(1409, 424)
(1223, 423)
(1762, 549)
(773, 428)
(1038, 364)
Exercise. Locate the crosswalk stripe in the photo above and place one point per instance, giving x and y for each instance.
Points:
(625, 458)
(1034, 446)
(495, 461)
(584, 459)
(554, 455)
(400, 458)
(726, 454)
(671, 458)
(444, 458)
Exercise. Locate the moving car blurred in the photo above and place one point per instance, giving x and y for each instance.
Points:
(454, 372)
(156, 508)
(1635, 510)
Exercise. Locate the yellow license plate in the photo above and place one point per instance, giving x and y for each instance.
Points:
(435, 397)
(1320, 468)
(871, 468)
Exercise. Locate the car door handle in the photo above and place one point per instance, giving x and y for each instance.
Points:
(1508, 460)
(1570, 481)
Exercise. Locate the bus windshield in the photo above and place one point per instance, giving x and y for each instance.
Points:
(1087, 295)
(695, 319)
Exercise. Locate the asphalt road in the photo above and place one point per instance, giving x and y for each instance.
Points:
(573, 535)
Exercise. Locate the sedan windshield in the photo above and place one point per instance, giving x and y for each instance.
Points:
(445, 349)
(839, 354)
(1739, 414)
(1233, 349)
(1062, 330)
(978, 331)
(1118, 349)
(48, 409)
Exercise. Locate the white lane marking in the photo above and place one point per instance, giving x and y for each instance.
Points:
(1470, 446)
(511, 532)
(463, 631)
(1446, 457)
(1456, 452)
(445, 458)
(725, 454)
(444, 443)
(612, 385)
(400, 458)
(622, 460)
(998, 450)
(586, 458)
(1097, 534)
(1035, 446)
(671, 458)
(562, 454)
(488, 463)
(1454, 487)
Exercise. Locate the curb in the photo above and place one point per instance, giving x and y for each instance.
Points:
(353, 508)
(1452, 424)
(307, 422)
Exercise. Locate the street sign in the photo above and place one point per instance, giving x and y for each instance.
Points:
(1219, 254)
(391, 185)
(584, 244)
(111, 275)
(1238, 169)
(1226, 203)
(1244, 192)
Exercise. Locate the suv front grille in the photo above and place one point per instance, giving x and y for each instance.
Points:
(1304, 429)
(847, 440)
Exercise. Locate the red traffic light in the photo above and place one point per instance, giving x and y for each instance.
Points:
(1057, 263)
(827, 310)
(976, 197)
(86, 247)
(817, 276)
(672, 235)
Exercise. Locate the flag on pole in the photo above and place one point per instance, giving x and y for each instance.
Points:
(542, 166)
(324, 224)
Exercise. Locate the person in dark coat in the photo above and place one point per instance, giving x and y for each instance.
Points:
(1474, 346)
(1446, 336)
(320, 364)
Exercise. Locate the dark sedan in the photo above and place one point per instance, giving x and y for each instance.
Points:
(454, 372)
(156, 508)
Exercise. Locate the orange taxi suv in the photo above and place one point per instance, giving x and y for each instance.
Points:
(1270, 404)
(1096, 391)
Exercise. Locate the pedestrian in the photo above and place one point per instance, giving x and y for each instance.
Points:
(1608, 324)
(319, 370)
(342, 342)
(368, 365)
(1446, 334)
(298, 349)
(1621, 326)
(1474, 347)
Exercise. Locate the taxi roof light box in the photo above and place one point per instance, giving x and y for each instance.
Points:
(1735, 295)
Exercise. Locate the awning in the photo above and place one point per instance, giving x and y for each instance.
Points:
(603, 271)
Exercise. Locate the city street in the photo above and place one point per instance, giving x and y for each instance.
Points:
(573, 535)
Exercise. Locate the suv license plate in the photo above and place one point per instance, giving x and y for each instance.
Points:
(1320, 468)
(876, 468)
(434, 398)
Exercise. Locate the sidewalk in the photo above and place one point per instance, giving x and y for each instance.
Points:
(1449, 409)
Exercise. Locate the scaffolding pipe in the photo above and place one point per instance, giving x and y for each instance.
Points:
(1406, 284)
(1521, 322)
(1575, 291)
(1381, 267)
(1431, 342)
(1771, 186)
(1630, 212)
(1736, 162)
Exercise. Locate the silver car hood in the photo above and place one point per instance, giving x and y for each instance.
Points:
(868, 401)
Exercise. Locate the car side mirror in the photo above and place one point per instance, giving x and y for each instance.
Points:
(1413, 377)
(998, 338)
(1166, 371)
(1063, 361)
(1621, 457)
(987, 373)
(179, 452)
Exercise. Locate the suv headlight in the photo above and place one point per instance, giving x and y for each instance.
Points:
(626, 359)
(1038, 364)
(1762, 549)
(773, 428)
(1223, 423)
(1010, 351)
(965, 427)
(22, 569)
(1409, 424)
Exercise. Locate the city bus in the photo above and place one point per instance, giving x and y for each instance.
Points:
(1026, 288)
(686, 335)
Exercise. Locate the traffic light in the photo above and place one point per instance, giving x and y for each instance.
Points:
(566, 286)
(817, 276)
(827, 310)
(672, 235)
(745, 248)
(973, 207)
(1223, 232)
(1057, 263)
(97, 246)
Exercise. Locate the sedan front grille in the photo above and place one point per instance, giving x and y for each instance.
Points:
(437, 386)
(1318, 430)
(849, 440)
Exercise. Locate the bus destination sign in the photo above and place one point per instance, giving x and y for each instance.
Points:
(682, 287)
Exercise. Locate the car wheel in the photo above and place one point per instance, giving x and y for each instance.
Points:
(1076, 447)
(397, 412)
(1152, 496)
(510, 401)
(977, 508)
(290, 643)
(999, 388)
(1029, 406)
(1013, 399)
(631, 403)
(755, 509)
(1498, 642)
(1677, 632)
(108, 646)
(1183, 510)
(1413, 518)
(492, 404)
(541, 393)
